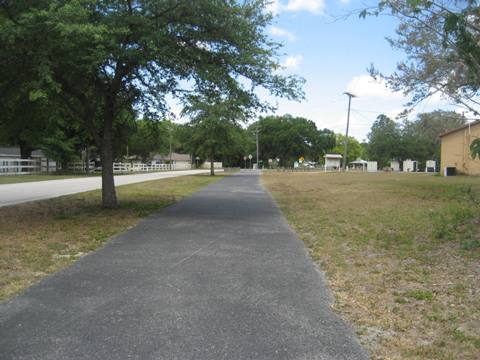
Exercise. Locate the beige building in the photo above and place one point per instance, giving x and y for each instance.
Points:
(178, 161)
(455, 151)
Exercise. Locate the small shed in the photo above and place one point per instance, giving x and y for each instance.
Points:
(333, 161)
(410, 165)
(372, 166)
(431, 166)
(395, 165)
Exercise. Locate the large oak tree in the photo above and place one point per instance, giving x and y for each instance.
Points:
(107, 57)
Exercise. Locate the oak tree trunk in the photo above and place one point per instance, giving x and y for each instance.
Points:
(25, 150)
(109, 195)
(212, 169)
(87, 159)
(25, 153)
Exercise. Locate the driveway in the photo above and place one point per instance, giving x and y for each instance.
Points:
(219, 275)
(11, 194)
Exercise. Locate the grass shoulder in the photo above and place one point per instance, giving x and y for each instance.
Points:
(401, 253)
(15, 179)
(42, 237)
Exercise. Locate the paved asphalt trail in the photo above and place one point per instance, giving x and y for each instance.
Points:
(11, 194)
(219, 275)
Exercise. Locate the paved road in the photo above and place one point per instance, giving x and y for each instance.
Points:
(11, 194)
(219, 275)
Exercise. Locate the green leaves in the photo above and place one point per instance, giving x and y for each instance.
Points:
(102, 59)
(288, 137)
(37, 94)
(475, 148)
(418, 140)
(441, 40)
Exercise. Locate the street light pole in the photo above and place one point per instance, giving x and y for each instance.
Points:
(350, 96)
(257, 145)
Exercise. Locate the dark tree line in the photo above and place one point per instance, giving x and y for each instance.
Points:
(417, 140)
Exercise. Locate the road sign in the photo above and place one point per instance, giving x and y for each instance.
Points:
(250, 156)
(245, 158)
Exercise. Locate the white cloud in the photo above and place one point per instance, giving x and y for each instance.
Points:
(292, 62)
(366, 86)
(312, 6)
(345, 2)
(276, 31)
(274, 7)
(394, 113)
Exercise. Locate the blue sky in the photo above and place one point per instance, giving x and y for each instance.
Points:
(332, 53)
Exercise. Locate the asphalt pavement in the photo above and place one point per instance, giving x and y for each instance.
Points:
(11, 194)
(219, 275)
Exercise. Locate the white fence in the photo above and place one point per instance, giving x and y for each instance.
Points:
(19, 166)
(12, 166)
(9, 166)
(119, 167)
(216, 165)
(140, 167)
(81, 166)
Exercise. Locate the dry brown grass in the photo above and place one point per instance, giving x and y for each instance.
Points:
(39, 238)
(401, 253)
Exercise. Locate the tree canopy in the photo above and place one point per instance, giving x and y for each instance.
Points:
(104, 58)
(355, 149)
(442, 47)
(287, 138)
(417, 139)
(384, 140)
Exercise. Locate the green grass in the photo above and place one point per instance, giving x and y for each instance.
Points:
(401, 253)
(39, 238)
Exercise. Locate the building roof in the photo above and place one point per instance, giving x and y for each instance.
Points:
(9, 151)
(474, 123)
(174, 157)
(15, 151)
(359, 161)
(333, 156)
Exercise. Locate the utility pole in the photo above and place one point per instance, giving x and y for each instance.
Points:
(350, 96)
(257, 146)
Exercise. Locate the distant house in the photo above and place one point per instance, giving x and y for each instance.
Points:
(333, 161)
(13, 152)
(179, 161)
(455, 151)
(10, 161)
